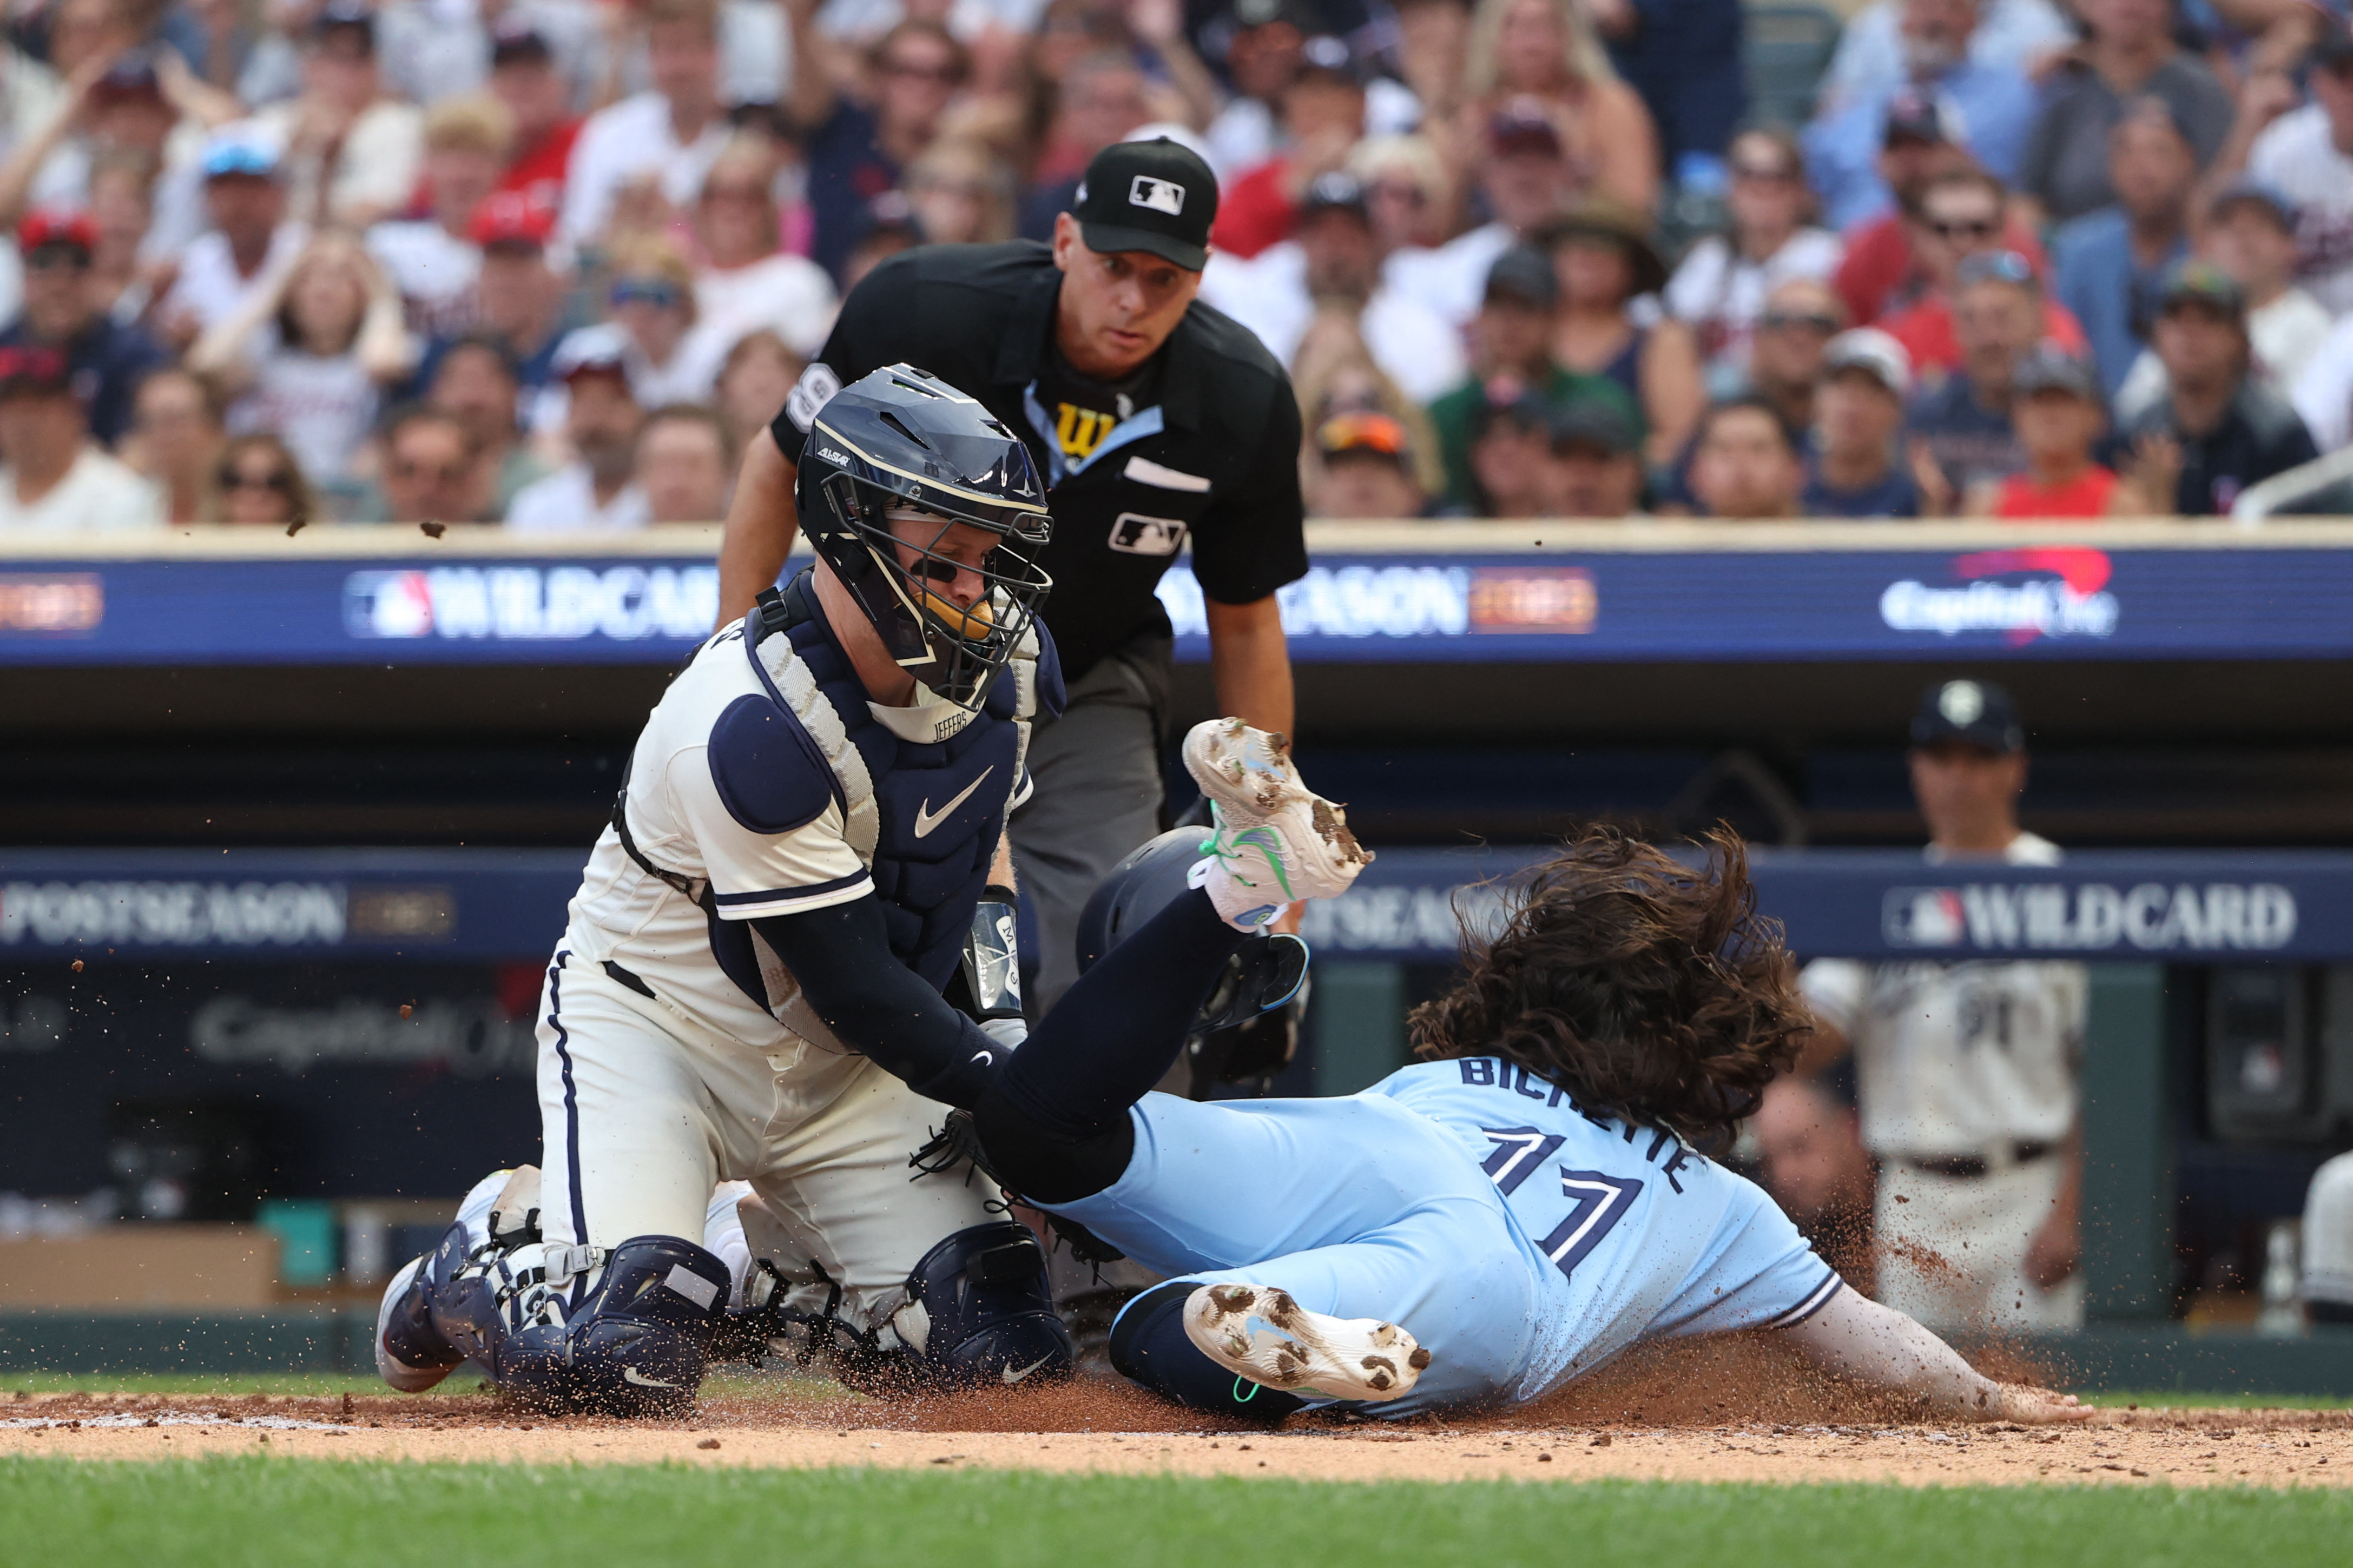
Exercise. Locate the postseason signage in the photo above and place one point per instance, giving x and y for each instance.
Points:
(2047, 602)
(1409, 905)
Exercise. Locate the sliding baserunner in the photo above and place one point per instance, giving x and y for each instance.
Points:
(1482, 1228)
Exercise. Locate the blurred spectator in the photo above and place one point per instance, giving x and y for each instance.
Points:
(1812, 1161)
(855, 153)
(61, 310)
(652, 300)
(748, 282)
(1432, 57)
(2107, 266)
(595, 491)
(433, 470)
(1684, 58)
(1609, 322)
(251, 241)
(1334, 373)
(2251, 234)
(1880, 273)
(671, 133)
(1405, 189)
(352, 152)
(758, 376)
(434, 261)
(518, 300)
(1959, 234)
(2130, 51)
(1745, 462)
(2057, 412)
(1596, 465)
(1964, 420)
(1541, 55)
(1872, 56)
(685, 464)
(891, 228)
(1523, 178)
(1322, 116)
(962, 194)
(176, 439)
(256, 482)
(53, 479)
(122, 102)
(2215, 433)
(1364, 469)
(1719, 289)
(1511, 450)
(1852, 469)
(473, 382)
(1100, 99)
(538, 98)
(2306, 154)
(1966, 1071)
(1262, 52)
(308, 357)
(1511, 349)
(434, 49)
(123, 278)
(1331, 262)
(1987, 107)
(1785, 357)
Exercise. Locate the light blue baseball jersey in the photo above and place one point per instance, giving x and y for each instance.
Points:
(1635, 1235)
(1523, 1241)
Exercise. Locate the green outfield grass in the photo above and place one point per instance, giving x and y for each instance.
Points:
(2173, 1398)
(348, 1515)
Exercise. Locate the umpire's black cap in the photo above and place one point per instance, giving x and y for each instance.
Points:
(1977, 712)
(1156, 195)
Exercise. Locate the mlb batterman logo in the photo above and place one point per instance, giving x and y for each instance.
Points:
(1156, 195)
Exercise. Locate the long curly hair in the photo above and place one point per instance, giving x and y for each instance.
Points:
(1650, 990)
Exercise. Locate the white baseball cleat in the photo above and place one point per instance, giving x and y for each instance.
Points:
(1275, 841)
(1265, 1336)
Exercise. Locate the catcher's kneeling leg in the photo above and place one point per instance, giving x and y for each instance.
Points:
(637, 1344)
(986, 1315)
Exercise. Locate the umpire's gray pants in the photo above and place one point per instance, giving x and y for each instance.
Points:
(1097, 770)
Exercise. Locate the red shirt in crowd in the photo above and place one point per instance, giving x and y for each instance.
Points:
(2086, 494)
(538, 171)
(1254, 212)
(1876, 276)
(1925, 331)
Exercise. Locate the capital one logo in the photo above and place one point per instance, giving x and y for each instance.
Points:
(2045, 591)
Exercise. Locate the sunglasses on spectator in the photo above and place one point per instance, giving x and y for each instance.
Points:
(1363, 433)
(1963, 228)
(445, 472)
(1811, 321)
(659, 293)
(277, 479)
(57, 259)
(1767, 173)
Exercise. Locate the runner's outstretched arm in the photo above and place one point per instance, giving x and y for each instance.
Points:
(1857, 1337)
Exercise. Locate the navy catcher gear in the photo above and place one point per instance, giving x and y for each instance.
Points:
(900, 441)
(639, 1342)
(990, 1318)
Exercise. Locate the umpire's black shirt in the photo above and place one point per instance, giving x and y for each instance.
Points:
(1202, 441)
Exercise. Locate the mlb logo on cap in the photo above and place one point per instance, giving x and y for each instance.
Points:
(1160, 196)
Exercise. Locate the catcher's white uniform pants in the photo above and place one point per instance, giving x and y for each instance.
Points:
(1952, 1250)
(642, 1111)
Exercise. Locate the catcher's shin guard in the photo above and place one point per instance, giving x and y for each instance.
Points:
(987, 1315)
(637, 1345)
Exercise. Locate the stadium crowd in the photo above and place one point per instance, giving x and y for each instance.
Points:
(549, 263)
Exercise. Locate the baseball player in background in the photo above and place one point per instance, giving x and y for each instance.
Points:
(806, 864)
(1968, 1072)
(1478, 1230)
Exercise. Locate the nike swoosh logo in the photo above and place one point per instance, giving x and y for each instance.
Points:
(926, 818)
(1013, 1377)
(631, 1374)
(985, 1058)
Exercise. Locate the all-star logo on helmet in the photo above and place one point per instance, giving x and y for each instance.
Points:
(902, 440)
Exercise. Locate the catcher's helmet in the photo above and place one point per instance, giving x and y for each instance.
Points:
(902, 443)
